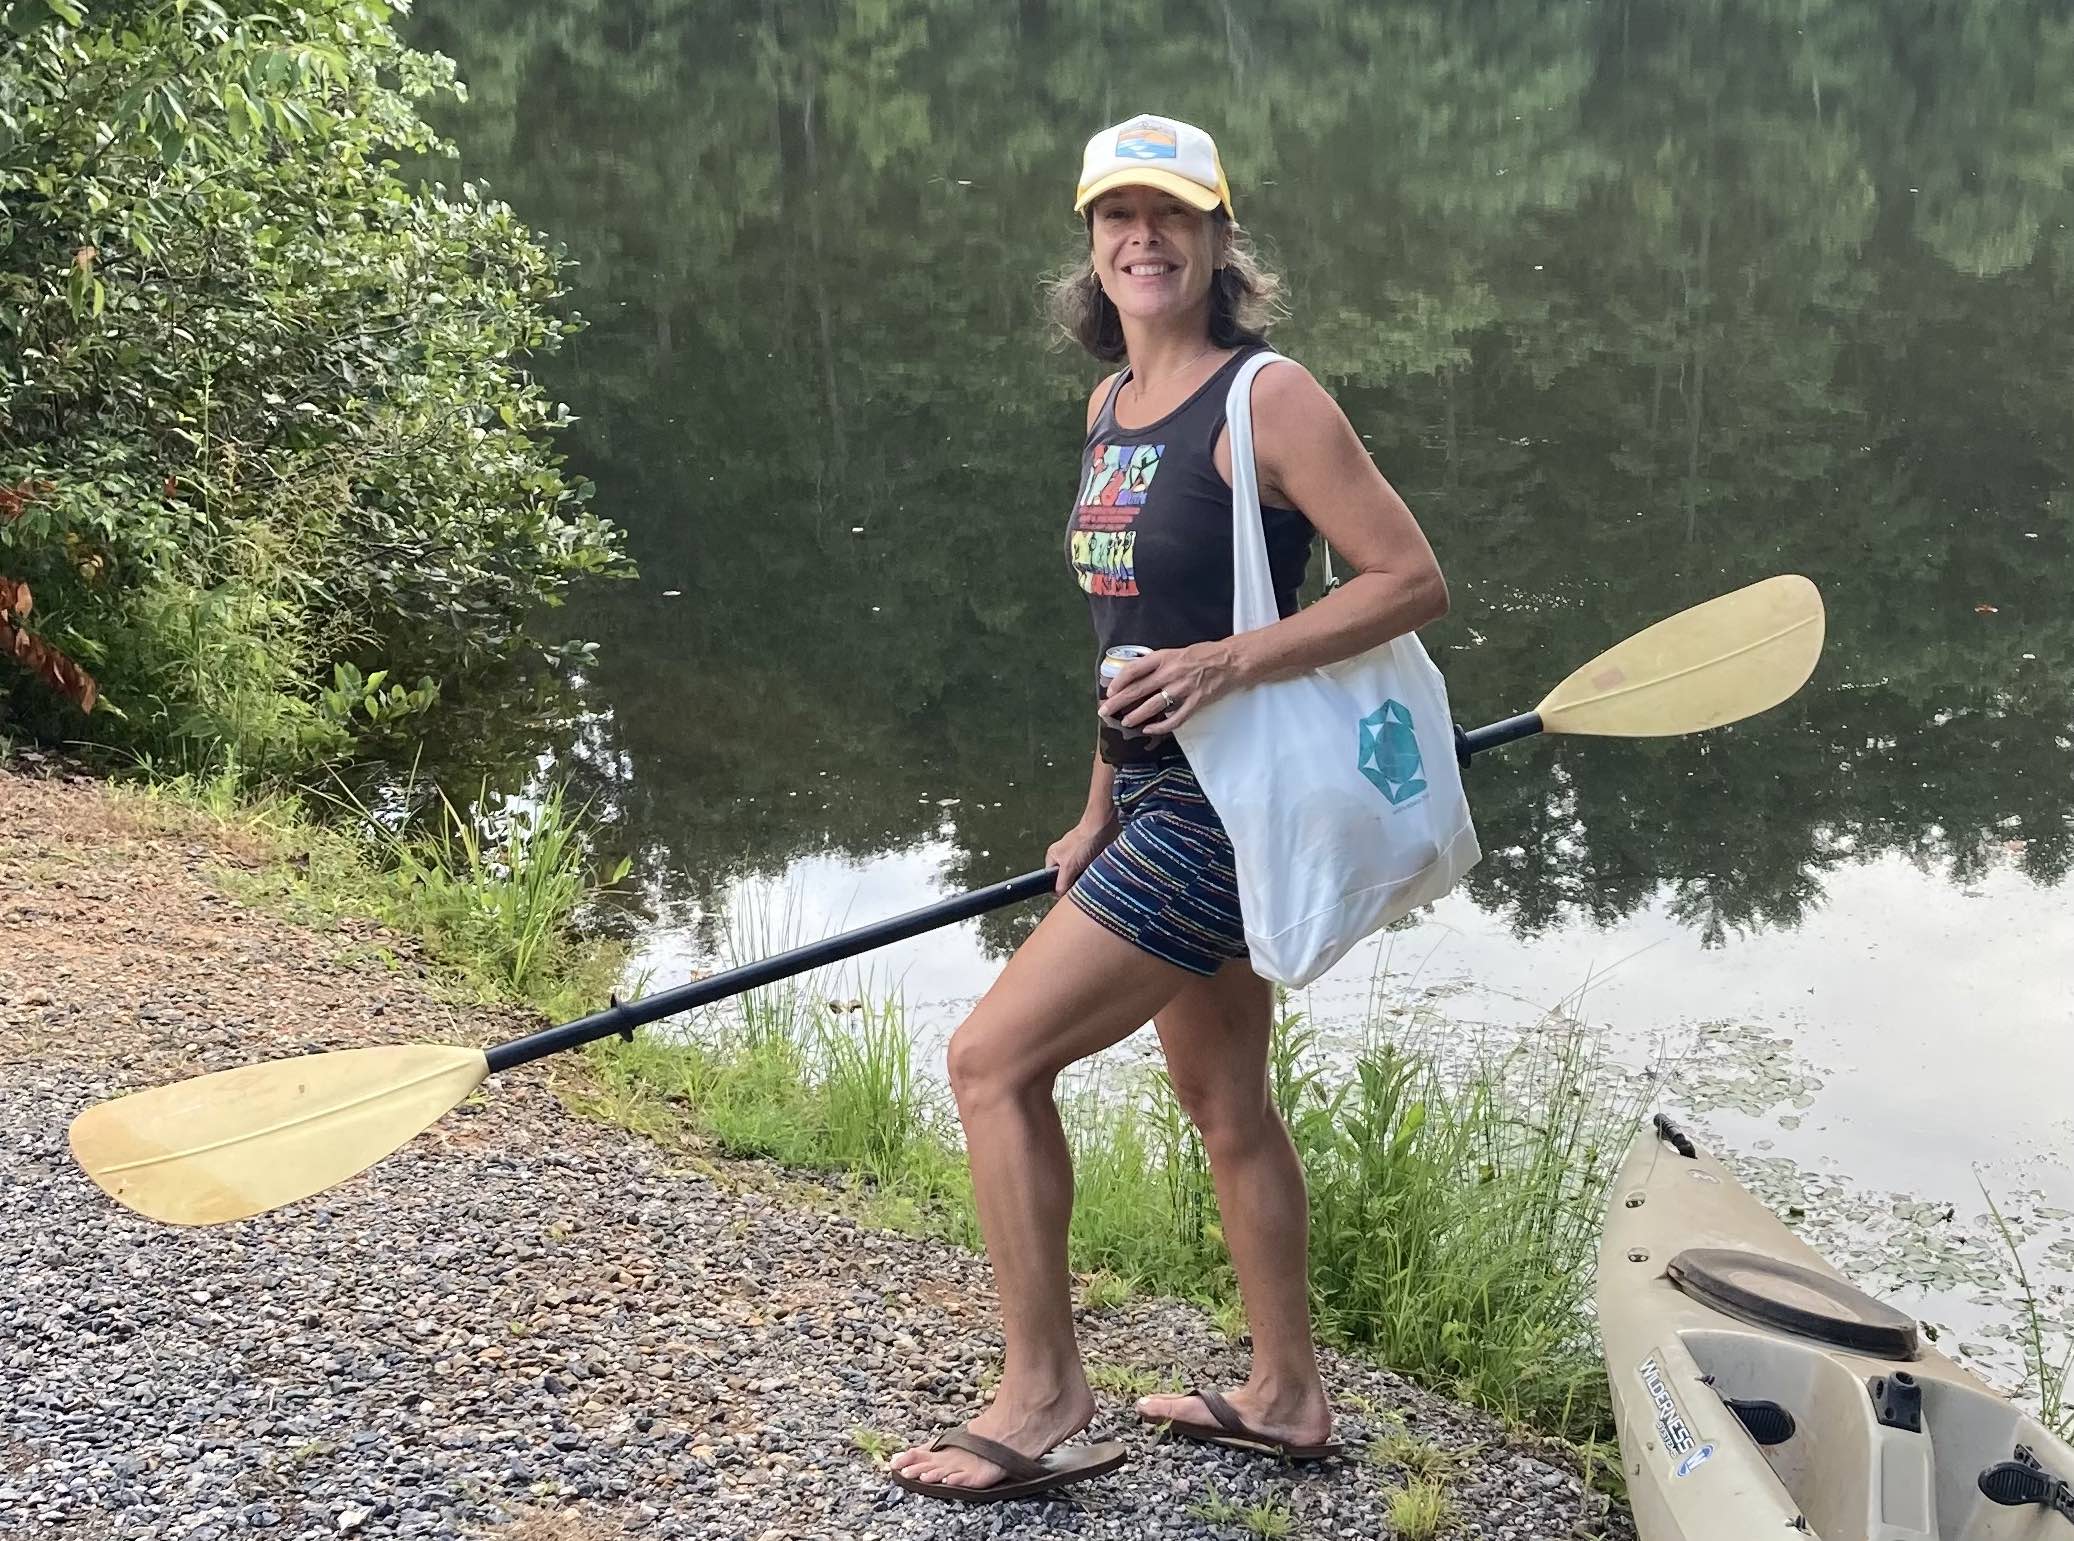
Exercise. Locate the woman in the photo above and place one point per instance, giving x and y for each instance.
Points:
(1153, 927)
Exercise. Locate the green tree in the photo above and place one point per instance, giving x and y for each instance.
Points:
(275, 395)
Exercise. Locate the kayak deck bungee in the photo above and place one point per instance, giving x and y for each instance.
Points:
(1759, 1393)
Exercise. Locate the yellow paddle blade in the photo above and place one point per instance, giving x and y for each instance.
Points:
(1718, 662)
(223, 1146)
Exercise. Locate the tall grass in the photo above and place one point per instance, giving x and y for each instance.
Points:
(2048, 1354)
(1454, 1215)
(496, 894)
(1455, 1224)
(495, 891)
(502, 892)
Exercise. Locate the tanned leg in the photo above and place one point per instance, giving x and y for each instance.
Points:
(1215, 1034)
(1073, 988)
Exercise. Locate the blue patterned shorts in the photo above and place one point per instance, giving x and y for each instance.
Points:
(1165, 883)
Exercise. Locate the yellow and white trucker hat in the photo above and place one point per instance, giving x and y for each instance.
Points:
(1149, 151)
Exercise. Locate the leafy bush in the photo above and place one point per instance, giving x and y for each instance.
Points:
(268, 395)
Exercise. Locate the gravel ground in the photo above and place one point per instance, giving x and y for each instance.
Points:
(524, 1324)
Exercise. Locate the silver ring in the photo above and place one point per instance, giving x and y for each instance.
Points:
(1172, 705)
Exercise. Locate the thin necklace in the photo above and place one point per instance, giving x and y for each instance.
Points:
(1172, 374)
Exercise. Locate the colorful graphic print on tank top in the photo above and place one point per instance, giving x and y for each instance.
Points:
(1104, 545)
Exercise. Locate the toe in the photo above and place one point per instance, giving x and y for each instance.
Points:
(917, 1461)
(953, 1472)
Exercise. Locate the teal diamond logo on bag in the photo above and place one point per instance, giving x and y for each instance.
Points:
(1390, 752)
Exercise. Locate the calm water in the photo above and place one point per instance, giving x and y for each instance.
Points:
(1635, 303)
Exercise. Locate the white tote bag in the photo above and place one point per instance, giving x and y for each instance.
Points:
(1338, 786)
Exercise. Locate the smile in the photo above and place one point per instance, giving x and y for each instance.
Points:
(1148, 269)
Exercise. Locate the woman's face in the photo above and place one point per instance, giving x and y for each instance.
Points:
(1153, 255)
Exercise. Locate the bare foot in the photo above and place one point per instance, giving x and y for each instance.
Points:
(1297, 1418)
(1028, 1426)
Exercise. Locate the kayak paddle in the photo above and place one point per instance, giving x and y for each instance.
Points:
(235, 1143)
(1716, 663)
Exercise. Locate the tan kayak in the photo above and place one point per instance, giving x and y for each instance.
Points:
(1761, 1395)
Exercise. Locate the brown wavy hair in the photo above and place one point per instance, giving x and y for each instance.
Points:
(1245, 298)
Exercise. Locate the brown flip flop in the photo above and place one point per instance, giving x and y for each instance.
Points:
(1234, 1433)
(1026, 1478)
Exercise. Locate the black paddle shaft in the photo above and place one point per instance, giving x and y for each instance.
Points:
(1525, 725)
(622, 1017)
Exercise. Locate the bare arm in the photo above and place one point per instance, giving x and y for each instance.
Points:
(1311, 459)
(1080, 845)
(1100, 787)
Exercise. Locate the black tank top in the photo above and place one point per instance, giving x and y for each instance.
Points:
(1150, 538)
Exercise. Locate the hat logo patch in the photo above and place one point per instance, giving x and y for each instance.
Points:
(1147, 142)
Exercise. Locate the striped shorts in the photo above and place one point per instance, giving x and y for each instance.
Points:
(1165, 884)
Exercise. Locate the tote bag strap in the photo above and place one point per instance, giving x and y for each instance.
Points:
(1253, 585)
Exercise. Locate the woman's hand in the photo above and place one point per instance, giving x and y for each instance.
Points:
(1078, 846)
(1162, 690)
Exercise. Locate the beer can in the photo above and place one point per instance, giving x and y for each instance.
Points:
(1112, 665)
(1114, 660)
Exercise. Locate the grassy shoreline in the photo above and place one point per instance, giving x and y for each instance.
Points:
(1455, 1199)
(1454, 1212)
